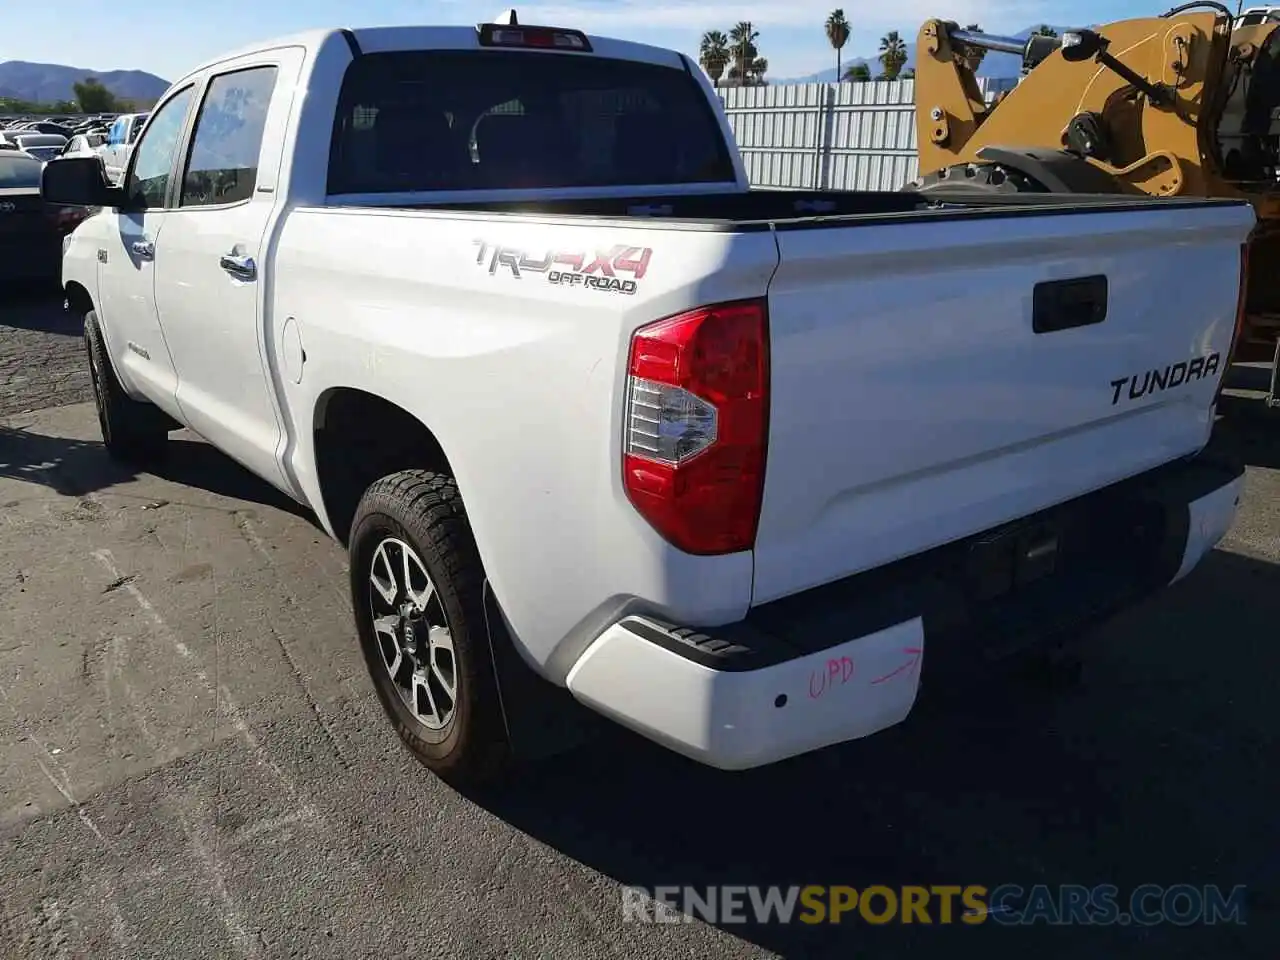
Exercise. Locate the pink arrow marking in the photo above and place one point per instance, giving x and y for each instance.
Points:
(913, 653)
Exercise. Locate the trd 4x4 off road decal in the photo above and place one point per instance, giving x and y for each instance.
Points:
(615, 270)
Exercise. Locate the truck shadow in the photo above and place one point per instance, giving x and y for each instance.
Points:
(75, 468)
(1152, 770)
(1248, 431)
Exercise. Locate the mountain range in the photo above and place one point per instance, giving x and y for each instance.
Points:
(994, 65)
(52, 82)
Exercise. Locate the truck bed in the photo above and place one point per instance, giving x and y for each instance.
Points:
(949, 369)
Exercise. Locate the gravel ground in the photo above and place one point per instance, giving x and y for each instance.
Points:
(194, 765)
(41, 355)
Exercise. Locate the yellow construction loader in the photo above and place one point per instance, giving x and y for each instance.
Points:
(1183, 104)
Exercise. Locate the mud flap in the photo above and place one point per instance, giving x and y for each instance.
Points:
(542, 719)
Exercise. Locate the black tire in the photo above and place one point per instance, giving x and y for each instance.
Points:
(424, 510)
(133, 431)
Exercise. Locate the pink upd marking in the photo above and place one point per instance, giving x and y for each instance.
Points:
(835, 673)
(913, 652)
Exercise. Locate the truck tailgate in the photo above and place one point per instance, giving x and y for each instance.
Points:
(923, 390)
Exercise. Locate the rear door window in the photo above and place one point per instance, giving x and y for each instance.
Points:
(501, 119)
(223, 163)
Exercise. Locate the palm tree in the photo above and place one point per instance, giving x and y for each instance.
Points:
(713, 54)
(742, 44)
(857, 73)
(893, 54)
(837, 28)
(972, 56)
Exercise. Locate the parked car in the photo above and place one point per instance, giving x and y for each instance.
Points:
(42, 146)
(84, 145)
(121, 136)
(47, 126)
(601, 426)
(38, 126)
(31, 231)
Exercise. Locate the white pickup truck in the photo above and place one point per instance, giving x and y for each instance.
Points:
(121, 137)
(601, 425)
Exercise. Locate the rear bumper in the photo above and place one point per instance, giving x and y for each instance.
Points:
(848, 659)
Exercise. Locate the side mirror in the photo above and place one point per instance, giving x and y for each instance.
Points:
(80, 182)
(1081, 45)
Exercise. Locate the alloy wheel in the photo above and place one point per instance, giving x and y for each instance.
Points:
(413, 638)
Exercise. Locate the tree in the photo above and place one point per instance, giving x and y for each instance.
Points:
(713, 54)
(893, 54)
(858, 73)
(837, 28)
(747, 65)
(971, 57)
(93, 97)
(34, 108)
(1044, 30)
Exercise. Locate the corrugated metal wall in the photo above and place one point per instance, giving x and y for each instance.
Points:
(840, 136)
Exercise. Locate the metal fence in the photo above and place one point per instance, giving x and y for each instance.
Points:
(838, 136)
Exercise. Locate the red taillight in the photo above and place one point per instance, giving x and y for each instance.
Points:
(696, 425)
(1242, 309)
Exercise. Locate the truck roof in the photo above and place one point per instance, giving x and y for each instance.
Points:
(419, 37)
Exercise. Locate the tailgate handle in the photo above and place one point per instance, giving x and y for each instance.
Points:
(1063, 304)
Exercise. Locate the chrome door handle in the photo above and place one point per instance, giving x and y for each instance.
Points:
(144, 248)
(240, 267)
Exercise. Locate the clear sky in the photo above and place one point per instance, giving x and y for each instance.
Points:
(167, 38)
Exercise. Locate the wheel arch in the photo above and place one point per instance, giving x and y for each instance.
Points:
(359, 437)
(79, 299)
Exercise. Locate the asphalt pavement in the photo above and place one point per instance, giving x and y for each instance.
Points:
(193, 763)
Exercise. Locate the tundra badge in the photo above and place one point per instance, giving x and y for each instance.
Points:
(1174, 375)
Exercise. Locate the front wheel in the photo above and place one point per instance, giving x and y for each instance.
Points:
(133, 431)
(417, 593)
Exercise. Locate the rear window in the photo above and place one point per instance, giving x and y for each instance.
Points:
(18, 171)
(41, 140)
(499, 119)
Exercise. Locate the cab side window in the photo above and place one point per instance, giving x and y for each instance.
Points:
(223, 165)
(153, 156)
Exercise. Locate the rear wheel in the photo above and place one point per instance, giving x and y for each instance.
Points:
(132, 430)
(417, 594)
